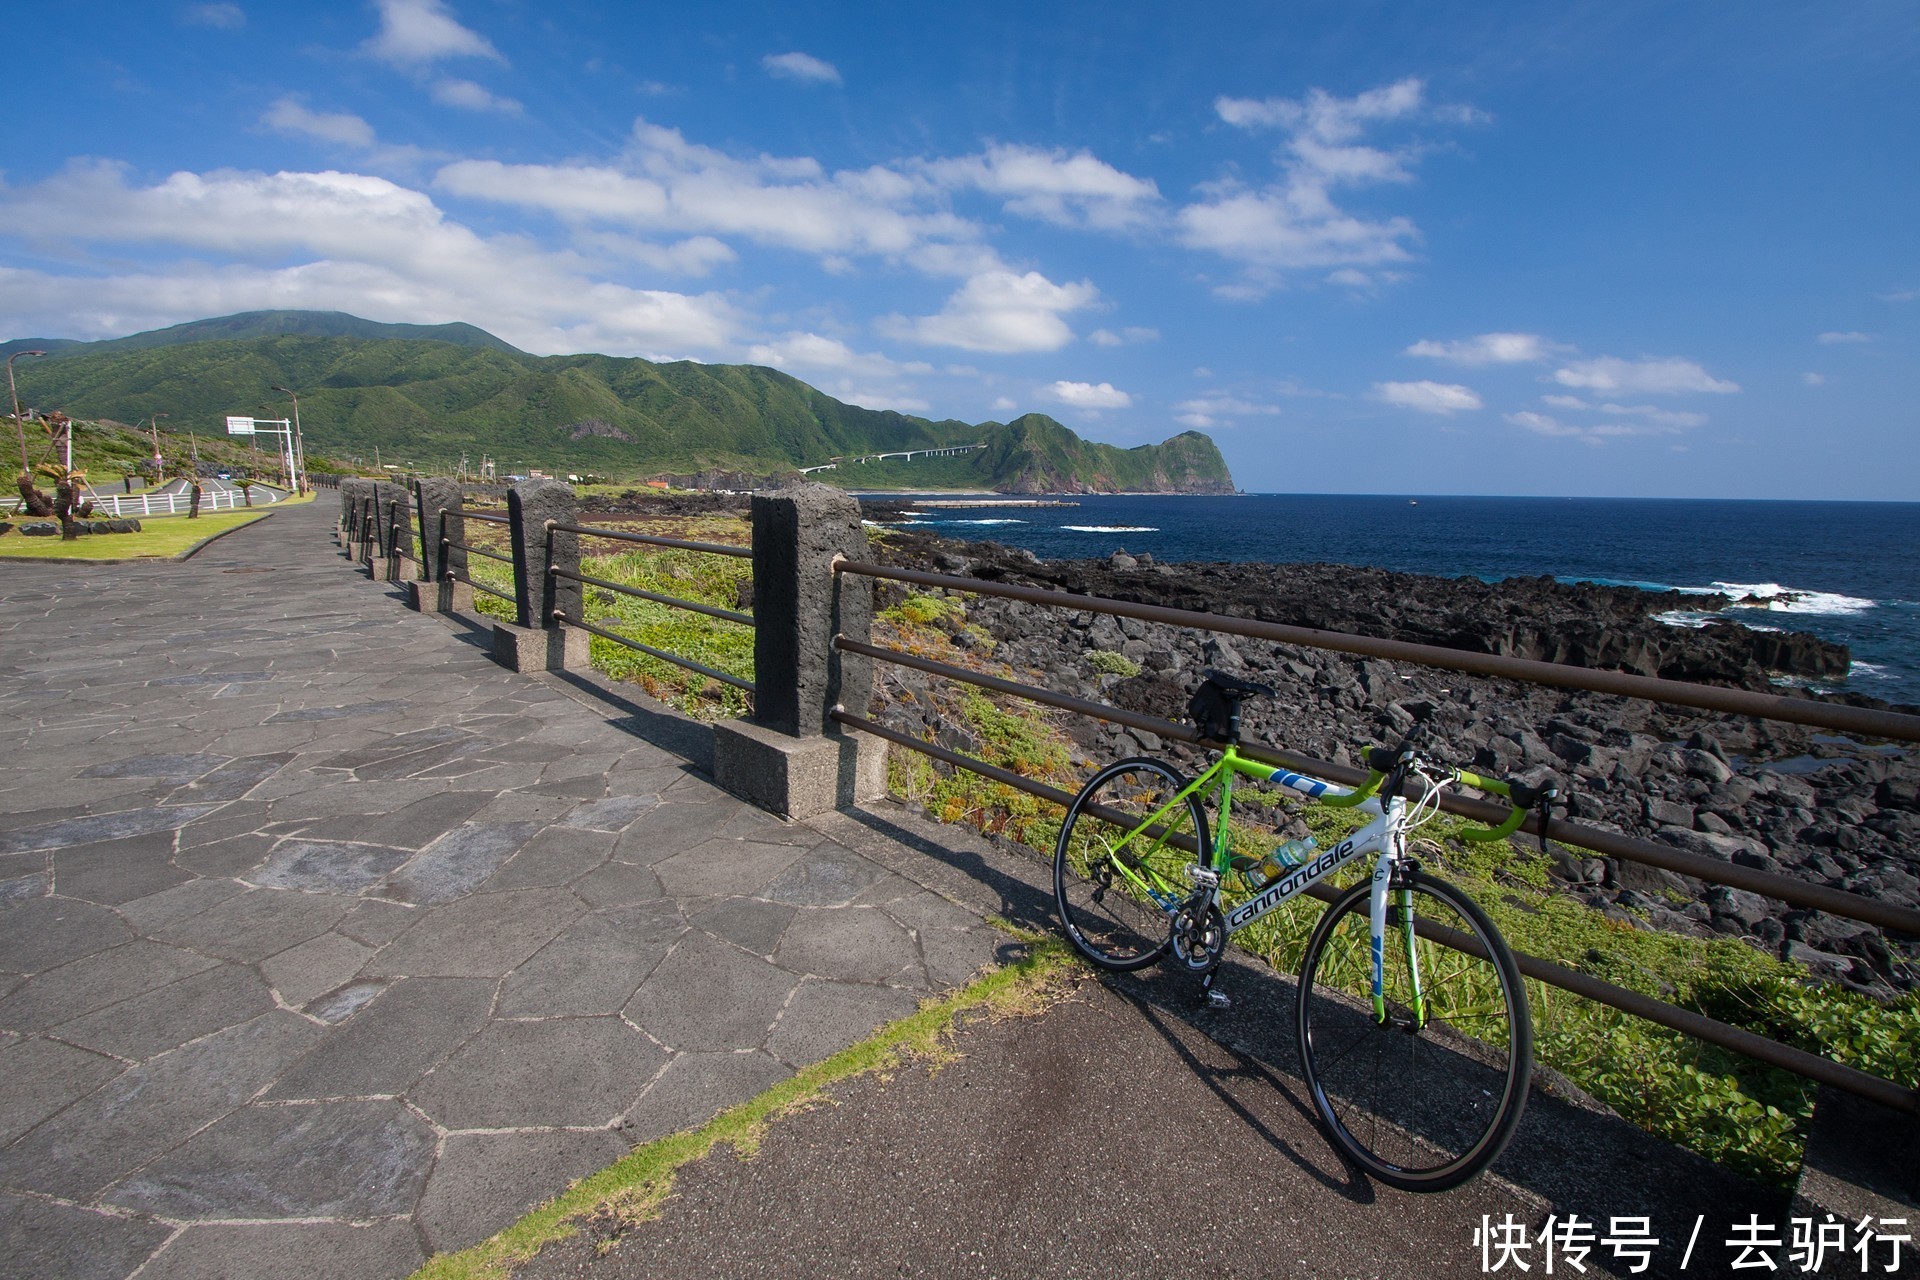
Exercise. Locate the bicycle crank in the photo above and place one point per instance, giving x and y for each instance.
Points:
(1199, 936)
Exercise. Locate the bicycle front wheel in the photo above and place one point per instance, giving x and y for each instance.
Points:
(1428, 1097)
(1119, 871)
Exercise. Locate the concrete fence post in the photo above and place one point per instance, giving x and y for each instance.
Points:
(344, 524)
(380, 541)
(537, 641)
(440, 527)
(789, 757)
(353, 502)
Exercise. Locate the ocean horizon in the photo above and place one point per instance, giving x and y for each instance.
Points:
(1843, 570)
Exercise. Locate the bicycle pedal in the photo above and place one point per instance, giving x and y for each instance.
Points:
(1216, 1000)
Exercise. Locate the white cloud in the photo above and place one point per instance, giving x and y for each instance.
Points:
(420, 32)
(998, 311)
(1899, 295)
(1293, 225)
(1834, 339)
(1087, 395)
(665, 183)
(1003, 404)
(328, 241)
(340, 129)
(1427, 397)
(694, 256)
(1649, 375)
(815, 351)
(850, 392)
(469, 96)
(801, 66)
(1066, 188)
(226, 17)
(289, 115)
(1296, 223)
(1209, 410)
(1600, 434)
(1127, 336)
(1651, 413)
(1322, 116)
(1485, 349)
(1814, 379)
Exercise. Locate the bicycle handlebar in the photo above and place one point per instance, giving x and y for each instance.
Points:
(1383, 764)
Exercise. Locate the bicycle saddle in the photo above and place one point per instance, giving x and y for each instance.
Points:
(1235, 687)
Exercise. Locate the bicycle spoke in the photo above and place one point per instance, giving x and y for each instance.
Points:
(1424, 1105)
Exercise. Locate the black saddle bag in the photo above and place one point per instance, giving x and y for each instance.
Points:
(1211, 711)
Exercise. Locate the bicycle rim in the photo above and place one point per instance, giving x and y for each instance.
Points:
(1419, 1105)
(1116, 883)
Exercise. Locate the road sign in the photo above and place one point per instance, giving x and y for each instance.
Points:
(239, 426)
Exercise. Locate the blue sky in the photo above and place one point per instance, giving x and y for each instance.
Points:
(1617, 248)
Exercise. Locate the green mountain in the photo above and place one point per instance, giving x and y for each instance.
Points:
(48, 345)
(426, 394)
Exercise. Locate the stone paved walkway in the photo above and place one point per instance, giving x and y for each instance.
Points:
(326, 944)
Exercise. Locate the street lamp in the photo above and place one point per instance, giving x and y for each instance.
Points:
(298, 447)
(26, 467)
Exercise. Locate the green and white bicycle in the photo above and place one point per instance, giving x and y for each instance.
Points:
(1412, 1022)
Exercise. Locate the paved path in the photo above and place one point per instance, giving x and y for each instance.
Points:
(327, 943)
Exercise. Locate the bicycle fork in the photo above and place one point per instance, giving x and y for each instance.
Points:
(1378, 912)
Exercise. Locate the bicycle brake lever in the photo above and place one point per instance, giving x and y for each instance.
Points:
(1547, 798)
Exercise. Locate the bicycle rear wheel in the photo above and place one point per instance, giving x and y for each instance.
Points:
(1116, 884)
(1420, 1104)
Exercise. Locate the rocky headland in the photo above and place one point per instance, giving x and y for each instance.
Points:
(1820, 807)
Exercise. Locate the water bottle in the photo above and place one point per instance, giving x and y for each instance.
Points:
(1285, 858)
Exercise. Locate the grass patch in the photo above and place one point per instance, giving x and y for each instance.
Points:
(632, 1189)
(698, 576)
(158, 539)
(1108, 663)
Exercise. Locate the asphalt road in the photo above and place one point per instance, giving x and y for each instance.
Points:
(1110, 1136)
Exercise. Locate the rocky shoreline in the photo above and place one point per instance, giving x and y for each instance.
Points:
(1816, 806)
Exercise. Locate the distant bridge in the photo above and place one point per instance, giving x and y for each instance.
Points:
(906, 455)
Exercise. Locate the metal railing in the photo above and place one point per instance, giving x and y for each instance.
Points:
(674, 602)
(448, 544)
(1886, 724)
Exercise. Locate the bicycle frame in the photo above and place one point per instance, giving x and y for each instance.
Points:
(1383, 837)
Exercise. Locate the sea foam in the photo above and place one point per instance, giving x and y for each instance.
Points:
(1112, 528)
(1778, 599)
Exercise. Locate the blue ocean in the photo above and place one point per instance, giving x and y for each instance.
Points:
(1846, 571)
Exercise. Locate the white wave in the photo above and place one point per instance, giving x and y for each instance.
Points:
(1775, 598)
(1858, 668)
(975, 522)
(1112, 528)
(1685, 618)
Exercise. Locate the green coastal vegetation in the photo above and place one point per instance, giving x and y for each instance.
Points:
(159, 538)
(1727, 1107)
(425, 395)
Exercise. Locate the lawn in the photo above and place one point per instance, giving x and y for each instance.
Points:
(159, 538)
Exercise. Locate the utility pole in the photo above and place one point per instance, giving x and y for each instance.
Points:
(26, 467)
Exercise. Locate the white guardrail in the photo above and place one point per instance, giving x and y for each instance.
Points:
(173, 504)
